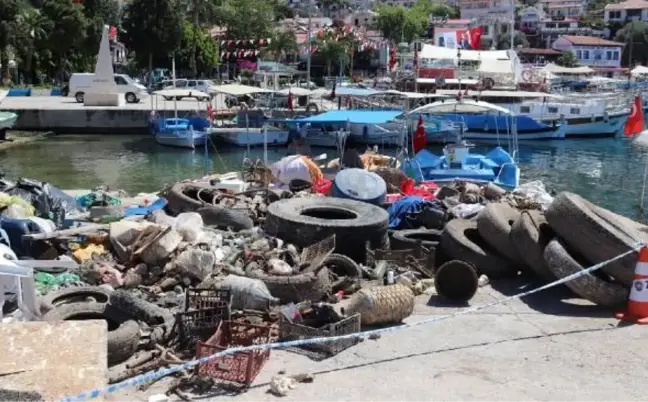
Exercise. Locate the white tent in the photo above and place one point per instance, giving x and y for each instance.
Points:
(556, 69)
(444, 53)
(639, 70)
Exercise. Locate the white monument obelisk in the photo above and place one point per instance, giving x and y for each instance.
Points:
(103, 91)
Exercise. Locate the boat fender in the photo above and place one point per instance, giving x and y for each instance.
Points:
(526, 75)
(451, 154)
(606, 117)
(562, 119)
(365, 132)
(312, 108)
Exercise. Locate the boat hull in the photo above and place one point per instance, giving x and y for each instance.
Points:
(596, 127)
(325, 140)
(242, 138)
(188, 140)
(7, 120)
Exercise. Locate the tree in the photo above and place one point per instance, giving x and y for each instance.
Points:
(9, 10)
(66, 28)
(197, 51)
(519, 39)
(202, 13)
(247, 19)
(282, 43)
(567, 59)
(399, 24)
(153, 29)
(29, 35)
(333, 46)
(635, 36)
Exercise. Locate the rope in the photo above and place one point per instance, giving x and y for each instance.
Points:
(155, 375)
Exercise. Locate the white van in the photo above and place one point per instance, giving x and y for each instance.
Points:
(82, 82)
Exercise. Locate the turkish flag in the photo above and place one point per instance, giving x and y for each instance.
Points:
(635, 123)
(420, 139)
(469, 38)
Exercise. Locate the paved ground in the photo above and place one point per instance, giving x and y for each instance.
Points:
(68, 103)
(548, 347)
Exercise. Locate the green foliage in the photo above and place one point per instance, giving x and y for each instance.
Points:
(635, 36)
(153, 29)
(519, 39)
(206, 55)
(281, 44)
(567, 59)
(247, 19)
(399, 24)
(66, 27)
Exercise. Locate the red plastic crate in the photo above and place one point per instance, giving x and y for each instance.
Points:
(239, 368)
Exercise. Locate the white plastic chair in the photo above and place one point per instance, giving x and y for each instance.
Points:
(17, 279)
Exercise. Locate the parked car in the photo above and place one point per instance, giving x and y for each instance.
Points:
(80, 83)
(205, 86)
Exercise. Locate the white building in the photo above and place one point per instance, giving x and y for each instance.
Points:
(630, 10)
(597, 53)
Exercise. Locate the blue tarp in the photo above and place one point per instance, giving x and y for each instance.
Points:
(353, 116)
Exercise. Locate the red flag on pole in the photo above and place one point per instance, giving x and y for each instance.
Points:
(635, 123)
(420, 139)
(290, 101)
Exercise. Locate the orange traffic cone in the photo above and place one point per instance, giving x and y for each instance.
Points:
(637, 311)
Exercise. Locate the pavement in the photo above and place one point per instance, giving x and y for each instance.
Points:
(549, 346)
(69, 103)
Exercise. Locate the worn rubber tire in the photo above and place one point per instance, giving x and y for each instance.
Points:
(342, 265)
(122, 341)
(494, 226)
(590, 286)
(461, 241)
(364, 223)
(596, 234)
(215, 215)
(74, 295)
(408, 238)
(178, 201)
(297, 288)
(530, 235)
(456, 280)
(155, 316)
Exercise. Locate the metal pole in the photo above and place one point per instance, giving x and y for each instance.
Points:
(310, 46)
(512, 24)
(416, 59)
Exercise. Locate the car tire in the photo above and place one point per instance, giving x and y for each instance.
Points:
(79, 96)
(131, 98)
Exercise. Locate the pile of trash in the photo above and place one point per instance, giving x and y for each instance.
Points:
(181, 274)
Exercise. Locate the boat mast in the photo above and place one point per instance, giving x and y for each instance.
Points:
(173, 77)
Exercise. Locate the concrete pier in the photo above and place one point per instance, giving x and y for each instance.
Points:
(64, 115)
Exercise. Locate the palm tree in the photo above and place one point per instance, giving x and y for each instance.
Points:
(30, 31)
(9, 9)
(282, 44)
(332, 50)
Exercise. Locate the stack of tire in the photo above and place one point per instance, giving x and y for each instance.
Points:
(572, 235)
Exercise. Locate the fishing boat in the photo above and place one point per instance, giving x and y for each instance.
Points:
(587, 115)
(320, 136)
(7, 120)
(483, 121)
(189, 132)
(251, 128)
(458, 163)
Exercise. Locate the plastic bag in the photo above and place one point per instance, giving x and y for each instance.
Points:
(189, 225)
(536, 191)
(466, 211)
(247, 293)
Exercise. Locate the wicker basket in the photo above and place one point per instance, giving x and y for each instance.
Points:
(382, 304)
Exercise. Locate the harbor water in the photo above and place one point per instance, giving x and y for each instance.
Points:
(608, 172)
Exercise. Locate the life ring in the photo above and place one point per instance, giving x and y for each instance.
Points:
(312, 108)
(526, 75)
(488, 83)
(451, 153)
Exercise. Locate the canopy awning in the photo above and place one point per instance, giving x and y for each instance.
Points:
(353, 116)
(238, 90)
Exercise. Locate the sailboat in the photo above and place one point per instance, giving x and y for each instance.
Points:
(179, 132)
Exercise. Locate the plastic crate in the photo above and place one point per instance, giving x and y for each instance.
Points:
(202, 299)
(198, 325)
(240, 368)
(289, 331)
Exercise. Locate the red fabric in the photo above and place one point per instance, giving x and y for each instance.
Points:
(424, 190)
(635, 123)
(420, 140)
(322, 186)
(210, 111)
(290, 101)
(469, 38)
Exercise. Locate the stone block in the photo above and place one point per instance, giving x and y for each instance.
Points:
(54, 359)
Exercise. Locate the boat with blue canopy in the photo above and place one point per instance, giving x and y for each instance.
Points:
(190, 132)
